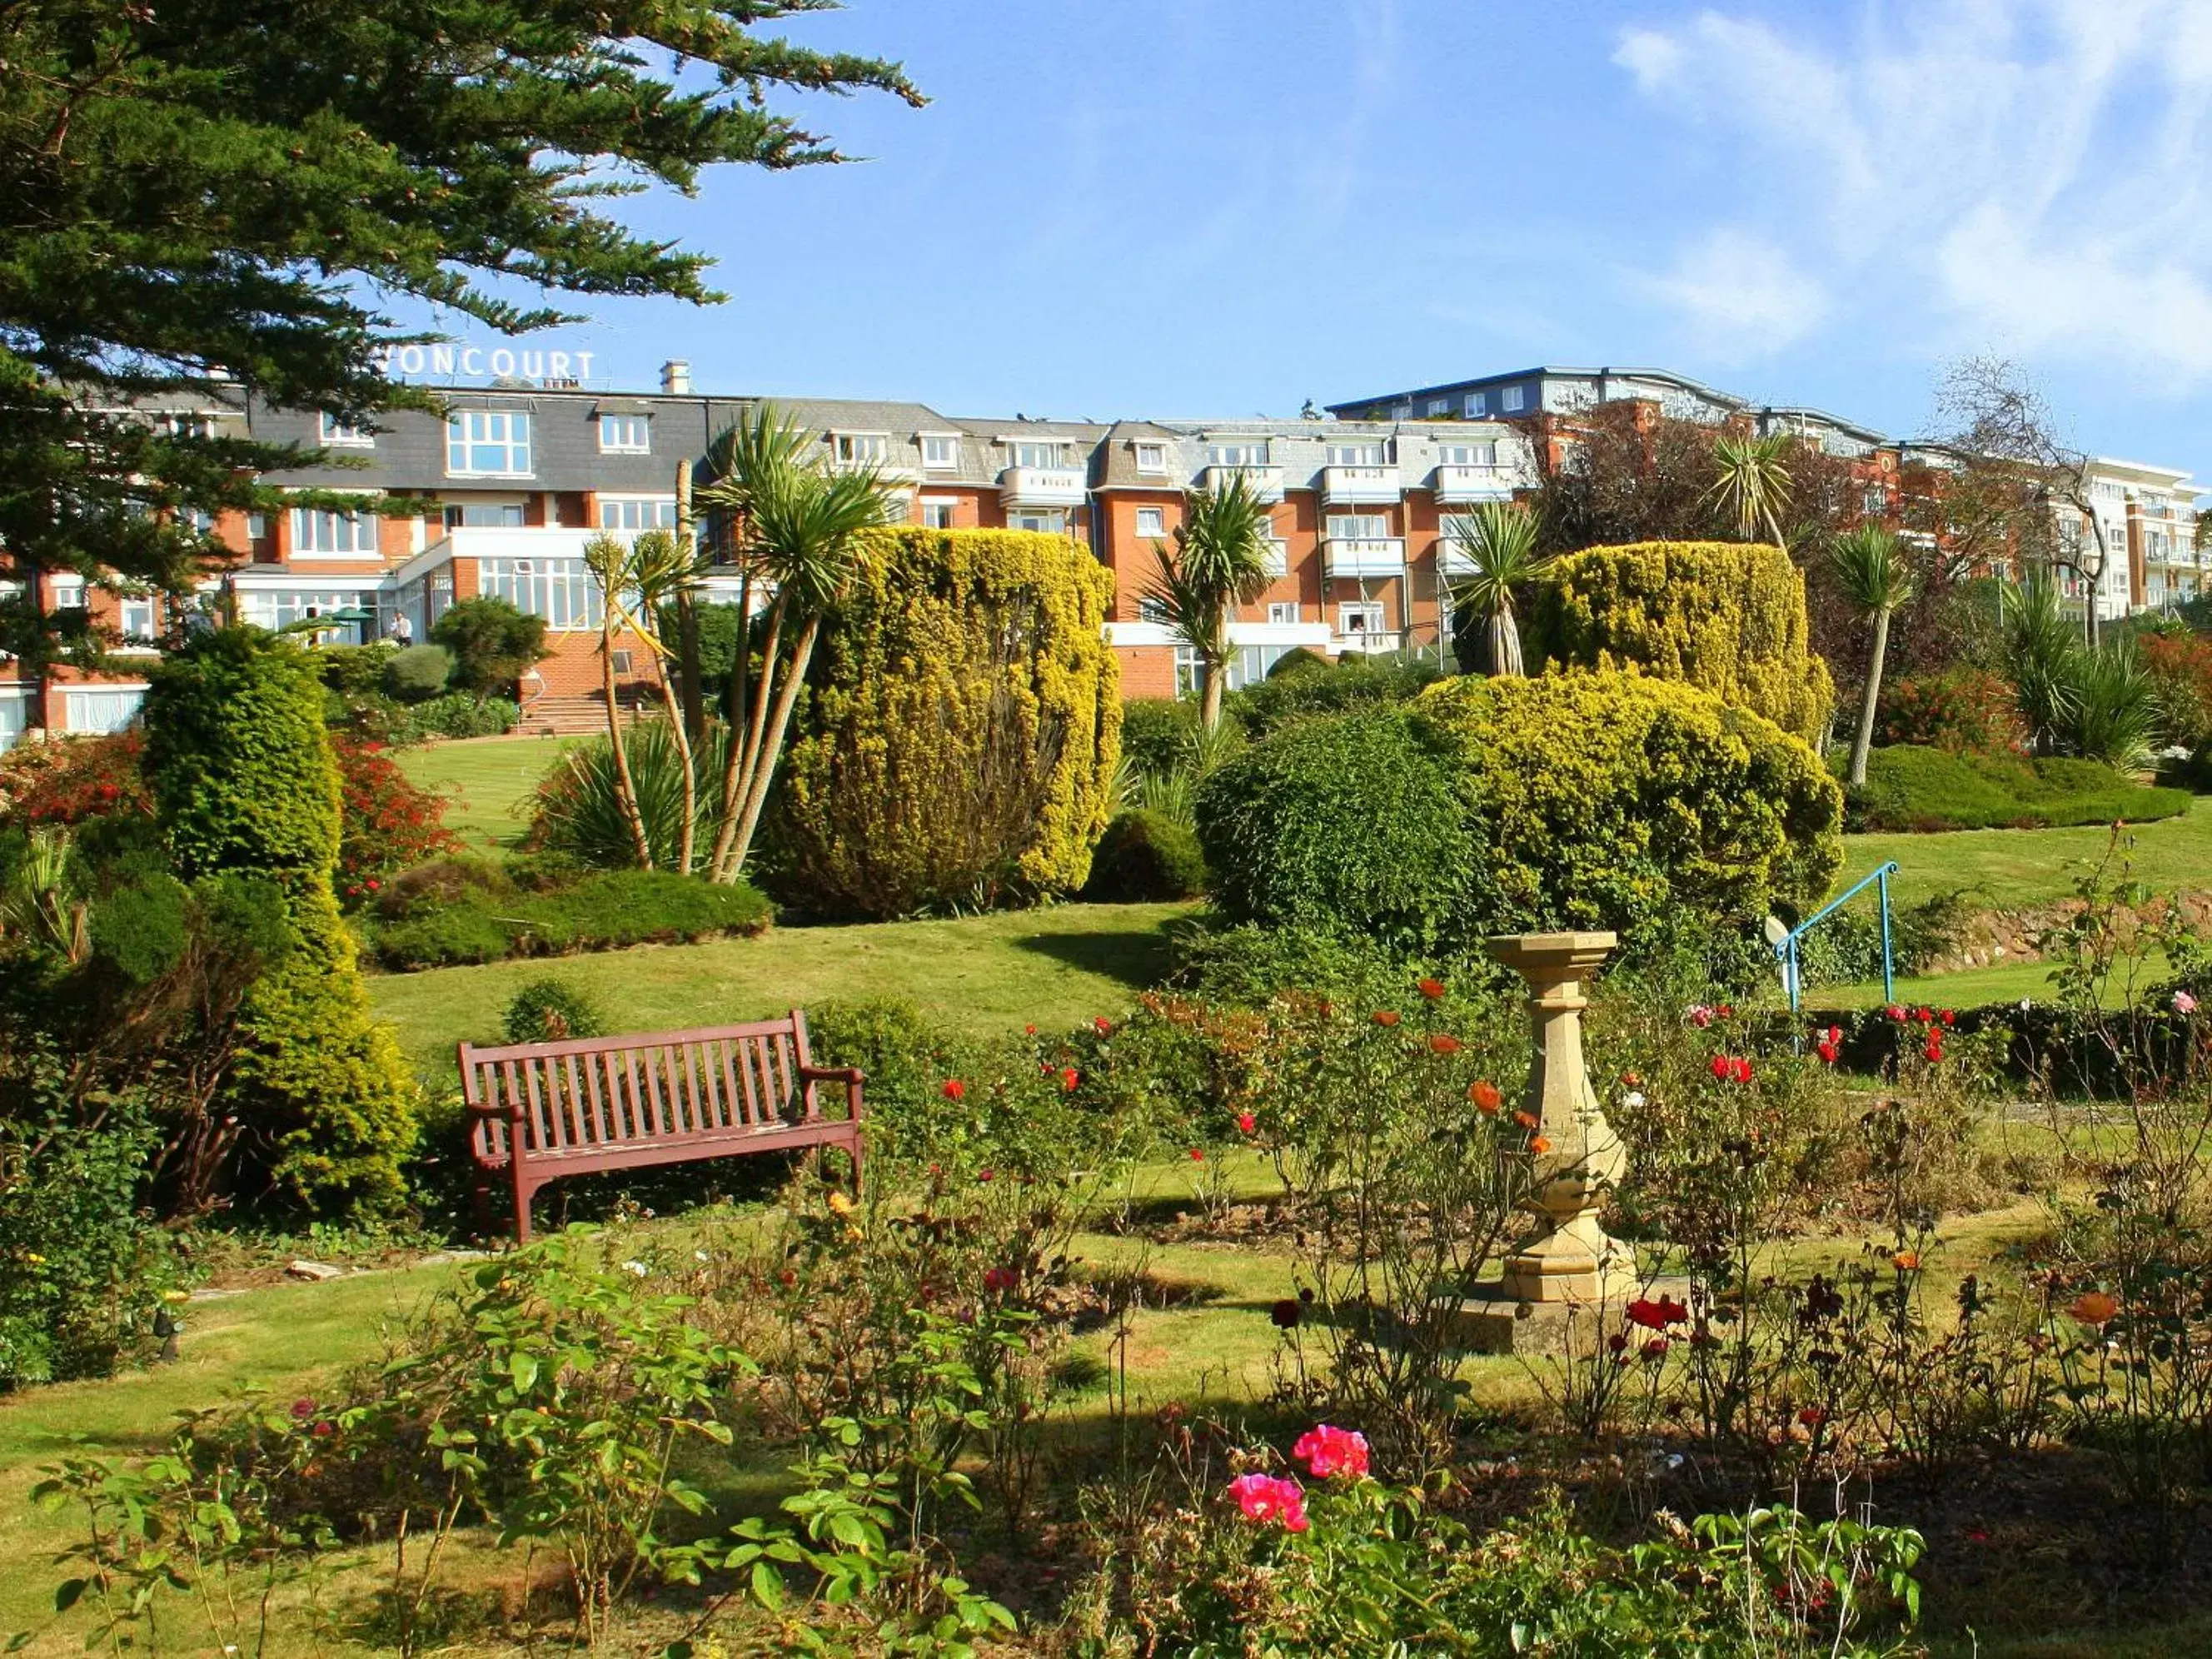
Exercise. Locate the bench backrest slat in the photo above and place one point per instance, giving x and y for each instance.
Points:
(580, 1095)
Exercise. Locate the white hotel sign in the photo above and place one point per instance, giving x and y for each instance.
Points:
(478, 362)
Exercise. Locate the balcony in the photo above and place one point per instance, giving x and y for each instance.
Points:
(1266, 482)
(1472, 484)
(1042, 486)
(1345, 556)
(1452, 560)
(1354, 485)
(1377, 641)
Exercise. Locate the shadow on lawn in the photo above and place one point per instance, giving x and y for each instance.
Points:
(1136, 960)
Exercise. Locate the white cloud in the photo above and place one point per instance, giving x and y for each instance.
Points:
(2029, 175)
(1742, 297)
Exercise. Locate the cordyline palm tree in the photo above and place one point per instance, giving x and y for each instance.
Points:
(1219, 561)
(664, 576)
(607, 558)
(1499, 540)
(1752, 490)
(2041, 644)
(798, 533)
(1871, 567)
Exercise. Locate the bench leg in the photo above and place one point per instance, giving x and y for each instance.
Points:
(522, 1192)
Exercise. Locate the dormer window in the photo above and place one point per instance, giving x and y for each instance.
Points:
(625, 434)
(940, 451)
(1250, 452)
(338, 434)
(860, 448)
(1151, 457)
(1366, 454)
(1042, 455)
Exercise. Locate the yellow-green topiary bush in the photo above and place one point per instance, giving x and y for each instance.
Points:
(959, 739)
(1606, 798)
(1728, 617)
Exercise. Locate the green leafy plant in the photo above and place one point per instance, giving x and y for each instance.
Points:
(552, 1010)
(1499, 540)
(1219, 562)
(491, 644)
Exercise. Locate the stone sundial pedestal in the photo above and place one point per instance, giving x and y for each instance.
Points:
(1567, 1270)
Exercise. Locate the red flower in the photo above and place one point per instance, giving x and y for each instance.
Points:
(1287, 1313)
(1486, 1098)
(1739, 1070)
(1331, 1451)
(1069, 1077)
(1655, 1348)
(1247, 1122)
(955, 1088)
(1198, 1154)
(1659, 1315)
(1029, 1030)
(1385, 1016)
(1721, 1067)
(1835, 1034)
(1727, 1012)
(984, 1174)
(1828, 1053)
(1440, 1043)
(1001, 1279)
(1894, 1012)
(1526, 1120)
(1539, 1145)
(1433, 989)
(1934, 1049)
(1947, 1018)
(1812, 1416)
(1103, 1025)
(1265, 1497)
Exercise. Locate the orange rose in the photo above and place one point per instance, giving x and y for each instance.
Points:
(1526, 1120)
(1486, 1098)
(1906, 1261)
(1386, 1016)
(2094, 1308)
(1433, 989)
(1445, 1045)
(1539, 1145)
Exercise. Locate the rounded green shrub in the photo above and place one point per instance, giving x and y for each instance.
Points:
(960, 742)
(418, 673)
(491, 644)
(1146, 856)
(1155, 732)
(1356, 823)
(1726, 617)
(1606, 798)
(553, 1010)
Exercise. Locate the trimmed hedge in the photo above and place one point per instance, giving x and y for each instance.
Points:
(1144, 857)
(478, 917)
(1913, 788)
(1608, 799)
(1156, 732)
(1726, 617)
(960, 743)
(1320, 687)
(1358, 823)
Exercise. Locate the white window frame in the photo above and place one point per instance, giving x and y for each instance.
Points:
(938, 511)
(940, 451)
(1040, 454)
(471, 432)
(1366, 453)
(65, 592)
(1332, 528)
(1374, 619)
(1282, 612)
(149, 605)
(336, 435)
(306, 519)
(15, 715)
(1158, 528)
(1044, 520)
(1439, 405)
(1477, 404)
(124, 701)
(860, 448)
(1484, 453)
(560, 590)
(625, 434)
(1151, 457)
(1241, 452)
(650, 513)
(1512, 399)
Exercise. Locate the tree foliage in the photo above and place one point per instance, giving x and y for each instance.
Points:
(1725, 615)
(960, 739)
(493, 644)
(1219, 562)
(202, 189)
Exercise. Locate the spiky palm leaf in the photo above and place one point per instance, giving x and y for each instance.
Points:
(1219, 561)
(1498, 540)
(2041, 645)
(2112, 714)
(1876, 572)
(1752, 490)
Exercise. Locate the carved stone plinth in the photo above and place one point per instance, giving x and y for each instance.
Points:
(1568, 1260)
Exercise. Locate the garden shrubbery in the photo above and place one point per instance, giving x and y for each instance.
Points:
(1728, 617)
(1145, 856)
(1302, 685)
(959, 740)
(463, 912)
(1910, 787)
(1970, 710)
(1359, 822)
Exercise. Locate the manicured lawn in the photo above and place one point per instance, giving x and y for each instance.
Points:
(982, 974)
(2010, 868)
(488, 779)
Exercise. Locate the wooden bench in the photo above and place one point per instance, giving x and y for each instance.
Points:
(543, 1111)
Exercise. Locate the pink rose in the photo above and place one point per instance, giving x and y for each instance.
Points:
(1265, 1497)
(1330, 1451)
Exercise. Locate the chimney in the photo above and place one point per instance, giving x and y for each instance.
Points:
(676, 376)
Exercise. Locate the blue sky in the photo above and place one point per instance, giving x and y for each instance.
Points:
(1223, 207)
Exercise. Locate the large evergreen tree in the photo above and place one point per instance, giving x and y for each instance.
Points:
(199, 188)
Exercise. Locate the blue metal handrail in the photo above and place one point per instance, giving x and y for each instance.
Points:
(1786, 950)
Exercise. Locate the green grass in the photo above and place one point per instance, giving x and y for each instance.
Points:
(488, 779)
(2009, 869)
(982, 974)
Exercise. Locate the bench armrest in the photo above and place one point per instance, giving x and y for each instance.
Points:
(850, 1076)
(512, 1114)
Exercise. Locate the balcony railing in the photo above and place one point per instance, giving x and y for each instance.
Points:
(1357, 484)
(1279, 558)
(1365, 556)
(1452, 559)
(1367, 640)
(1473, 483)
(1266, 482)
(1040, 486)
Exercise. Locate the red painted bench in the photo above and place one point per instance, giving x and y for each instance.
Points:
(543, 1111)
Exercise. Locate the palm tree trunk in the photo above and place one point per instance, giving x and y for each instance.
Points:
(763, 770)
(625, 784)
(747, 732)
(1864, 740)
(679, 733)
(1209, 690)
